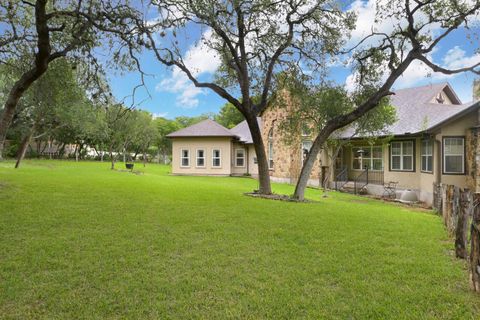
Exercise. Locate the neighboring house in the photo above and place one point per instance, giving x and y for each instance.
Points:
(436, 139)
(208, 148)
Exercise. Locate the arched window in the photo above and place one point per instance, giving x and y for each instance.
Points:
(270, 148)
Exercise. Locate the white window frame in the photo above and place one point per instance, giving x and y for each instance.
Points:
(270, 149)
(242, 157)
(426, 151)
(219, 158)
(197, 157)
(371, 159)
(444, 155)
(402, 155)
(182, 157)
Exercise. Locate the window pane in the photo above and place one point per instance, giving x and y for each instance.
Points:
(184, 153)
(200, 153)
(239, 162)
(377, 152)
(367, 153)
(240, 153)
(424, 163)
(367, 164)
(377, 164)
(430, 163)
(408, 148)
(454, 164)
(200, 162)
(396, 162)
(453, 146)
(407, 162)
(396, 148)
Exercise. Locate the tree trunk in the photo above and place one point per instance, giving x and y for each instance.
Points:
(302, 182)
(475, 246)
(461, 231)
(41, 64)
(23, 148)
(112, 159)
(101, 156)
(263, 170)
(61, 152)
(144, 158)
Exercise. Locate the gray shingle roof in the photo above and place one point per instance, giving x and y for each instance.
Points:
(415, 111)
(205, 128)
(243, 132)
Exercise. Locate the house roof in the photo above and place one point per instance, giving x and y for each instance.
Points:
(243, 132)
(205, 128)
(417, 113)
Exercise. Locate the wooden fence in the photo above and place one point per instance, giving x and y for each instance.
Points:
(459, 208)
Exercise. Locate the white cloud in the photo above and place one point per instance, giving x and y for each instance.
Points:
(200, 60)
(159, 115)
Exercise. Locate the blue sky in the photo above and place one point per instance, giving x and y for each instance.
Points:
(172, 95)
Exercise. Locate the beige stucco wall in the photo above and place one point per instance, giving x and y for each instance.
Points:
(208, 144)
(417, 180)
(459, 127)
(252, 158)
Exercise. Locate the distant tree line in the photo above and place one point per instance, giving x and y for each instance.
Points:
(59, 117)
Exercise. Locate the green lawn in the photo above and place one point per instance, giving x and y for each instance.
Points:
(79, 241)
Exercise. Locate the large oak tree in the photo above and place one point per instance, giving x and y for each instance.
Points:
(39, 32)
(419, 27)
(255, 40)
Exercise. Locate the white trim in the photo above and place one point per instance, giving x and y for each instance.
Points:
(371, 158)
(454, 155)
(244, 153)
(197, 157)
(402, 155)
(182, 157)
(219, 158)
(428, 154)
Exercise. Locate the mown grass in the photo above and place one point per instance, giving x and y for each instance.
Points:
(79, 241)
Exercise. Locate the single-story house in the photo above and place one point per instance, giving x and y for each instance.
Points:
(436, 139)
(208, 148)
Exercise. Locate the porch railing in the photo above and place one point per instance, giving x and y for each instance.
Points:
(341, 178)
(376, 177)
(361, 181)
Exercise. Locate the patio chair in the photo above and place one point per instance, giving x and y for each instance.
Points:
(390, 189)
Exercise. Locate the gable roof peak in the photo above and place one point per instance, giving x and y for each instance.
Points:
(205, 128)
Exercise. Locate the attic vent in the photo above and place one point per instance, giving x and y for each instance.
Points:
(440, 98)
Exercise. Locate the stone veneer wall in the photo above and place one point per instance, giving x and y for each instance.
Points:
(473, 159)
(287, 158)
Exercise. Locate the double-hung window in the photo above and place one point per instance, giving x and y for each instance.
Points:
(402, 155)
(240, 158)
(427, 156)
(216, 158)
(185, 158)
(200, 158)
(454, 155)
